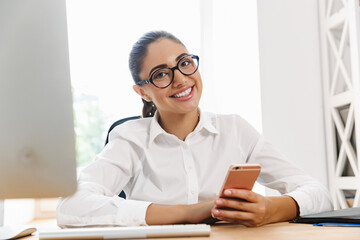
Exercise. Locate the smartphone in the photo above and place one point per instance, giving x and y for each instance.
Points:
(241, 176)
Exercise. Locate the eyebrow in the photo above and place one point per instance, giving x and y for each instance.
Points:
(180, 56)
(158, 66)
(164, 65)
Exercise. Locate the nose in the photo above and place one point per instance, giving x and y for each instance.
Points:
(179, 78)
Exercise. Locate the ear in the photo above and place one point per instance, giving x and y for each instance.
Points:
(142, 93)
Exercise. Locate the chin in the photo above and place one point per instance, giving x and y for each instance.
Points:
(191, 109)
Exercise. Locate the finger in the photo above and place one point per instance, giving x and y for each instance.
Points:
(247, 195)
(232, 214)
(236, 204)
(245, 223)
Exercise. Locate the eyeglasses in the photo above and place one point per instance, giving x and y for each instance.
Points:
(163, 77)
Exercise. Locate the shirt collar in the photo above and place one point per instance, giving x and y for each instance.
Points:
(207, 122)
(155, 128)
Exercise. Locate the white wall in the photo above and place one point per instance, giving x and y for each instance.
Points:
(230, 63)
(291, 90)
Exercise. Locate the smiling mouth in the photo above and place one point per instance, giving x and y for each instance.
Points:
(183, 94)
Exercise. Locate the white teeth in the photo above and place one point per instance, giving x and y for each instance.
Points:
(184, 93)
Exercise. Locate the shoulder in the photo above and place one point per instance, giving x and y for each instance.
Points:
(233, 125)
(227, 121)
(131, 130)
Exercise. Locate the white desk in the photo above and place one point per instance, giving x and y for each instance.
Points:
(277, 231)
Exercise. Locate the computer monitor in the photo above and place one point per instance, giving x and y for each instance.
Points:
(37, 146)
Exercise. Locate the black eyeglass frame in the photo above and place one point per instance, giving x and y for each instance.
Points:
(141, 83)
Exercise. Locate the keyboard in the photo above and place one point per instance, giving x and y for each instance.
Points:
(178, 230)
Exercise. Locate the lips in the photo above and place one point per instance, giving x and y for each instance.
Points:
(183, 93)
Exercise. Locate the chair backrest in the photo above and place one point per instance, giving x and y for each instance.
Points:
(118, 122)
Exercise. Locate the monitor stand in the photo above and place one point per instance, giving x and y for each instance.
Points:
(2, 213)
(11, 232)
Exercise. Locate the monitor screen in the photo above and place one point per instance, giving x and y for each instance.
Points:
(37, 146)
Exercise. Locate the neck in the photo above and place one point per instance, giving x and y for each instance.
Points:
(179, 125)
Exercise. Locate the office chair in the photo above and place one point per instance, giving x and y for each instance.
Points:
(118, 122)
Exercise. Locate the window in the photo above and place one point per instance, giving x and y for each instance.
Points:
(101, 34)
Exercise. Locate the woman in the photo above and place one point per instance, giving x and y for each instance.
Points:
(172, 165)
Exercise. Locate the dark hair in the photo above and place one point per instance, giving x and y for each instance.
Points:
(137, 55)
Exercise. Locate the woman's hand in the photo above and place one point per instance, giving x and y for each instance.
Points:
(158, 214)
(200, 212)
(251, 209)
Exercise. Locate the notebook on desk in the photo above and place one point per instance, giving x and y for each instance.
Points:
(178, 230)
(349, 215)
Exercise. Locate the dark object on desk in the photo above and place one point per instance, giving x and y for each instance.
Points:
(118, 122)
(349, 215)
(334, 224)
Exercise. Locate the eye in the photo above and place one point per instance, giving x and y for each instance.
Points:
(160, 75)
(186, 62)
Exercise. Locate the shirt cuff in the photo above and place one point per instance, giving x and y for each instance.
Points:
(131, 212)
(303, 200)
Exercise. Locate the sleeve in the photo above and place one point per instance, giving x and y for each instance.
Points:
(96, 202)
(282, 175)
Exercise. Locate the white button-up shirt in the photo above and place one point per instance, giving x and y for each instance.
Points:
(153, 166)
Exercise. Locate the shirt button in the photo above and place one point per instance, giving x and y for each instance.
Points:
(189, 168)
(192, 192)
